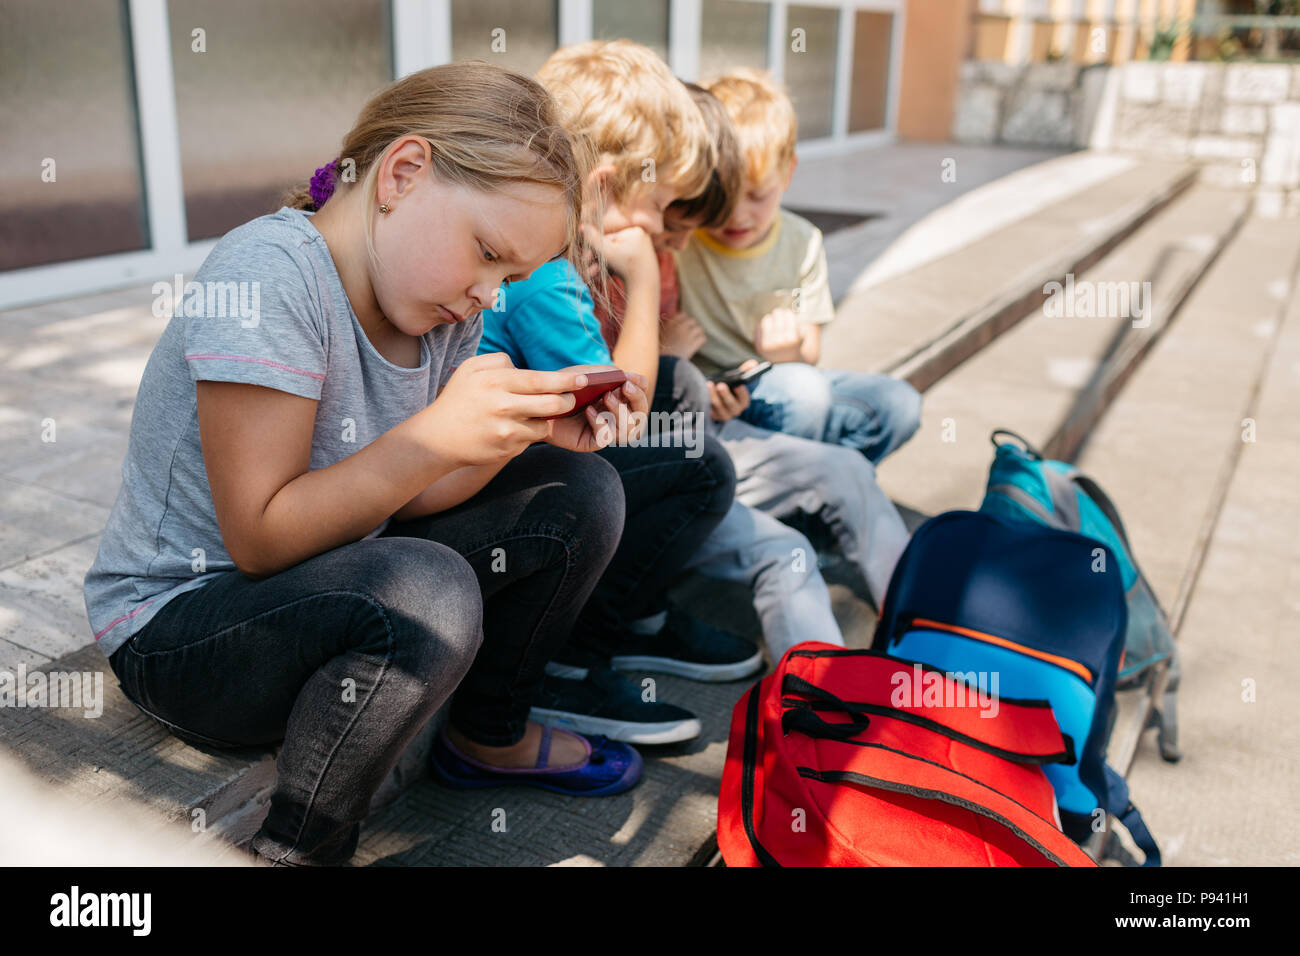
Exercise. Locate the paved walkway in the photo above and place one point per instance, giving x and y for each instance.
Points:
(899, 186)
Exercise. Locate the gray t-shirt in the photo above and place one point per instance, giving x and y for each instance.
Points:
(267, 307)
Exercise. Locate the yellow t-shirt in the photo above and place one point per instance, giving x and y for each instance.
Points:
(729, 290)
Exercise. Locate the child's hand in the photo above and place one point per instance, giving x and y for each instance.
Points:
(726, 403)
(592, 429)
(629, 253)
(489, 411)
(681, 335)
(778, 336)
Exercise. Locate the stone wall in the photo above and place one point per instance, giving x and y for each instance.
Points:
(1038, 104)
(1239, 121)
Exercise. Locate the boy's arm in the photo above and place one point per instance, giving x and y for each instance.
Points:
(637, 349)
(630, 254)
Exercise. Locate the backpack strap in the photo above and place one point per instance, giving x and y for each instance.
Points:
(1102, 500)
(1065, 502)
(1033, 737)
(1119, 805)
(1028, 502)
(805, 721)
(1024, 442)
(1065, 499)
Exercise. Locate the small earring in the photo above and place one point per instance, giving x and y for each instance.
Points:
(383, 207)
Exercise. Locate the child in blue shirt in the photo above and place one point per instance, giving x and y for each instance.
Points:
(678, 482)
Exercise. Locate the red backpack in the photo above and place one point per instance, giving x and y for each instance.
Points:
(857, 758)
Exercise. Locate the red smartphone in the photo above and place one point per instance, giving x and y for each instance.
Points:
(598, 384)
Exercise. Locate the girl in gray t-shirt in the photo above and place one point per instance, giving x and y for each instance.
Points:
(333, 514)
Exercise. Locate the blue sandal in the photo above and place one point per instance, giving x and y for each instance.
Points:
(610, 767)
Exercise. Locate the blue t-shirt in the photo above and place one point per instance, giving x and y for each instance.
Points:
(547, 322)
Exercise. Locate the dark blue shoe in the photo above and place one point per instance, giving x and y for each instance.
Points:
(688, 648)
(610, 767)
(597, 700)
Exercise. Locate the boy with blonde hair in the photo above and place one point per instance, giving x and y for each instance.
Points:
(650, 147)
(758, 287)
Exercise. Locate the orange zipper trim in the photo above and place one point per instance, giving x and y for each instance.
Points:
(1065, 662)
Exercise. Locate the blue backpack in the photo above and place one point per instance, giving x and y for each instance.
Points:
(1024, 486)
(1025, 612)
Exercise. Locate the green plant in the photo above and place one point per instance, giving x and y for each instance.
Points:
(1229, 46)
(1164, 40)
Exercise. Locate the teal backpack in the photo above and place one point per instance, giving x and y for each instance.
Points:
(1024, 486)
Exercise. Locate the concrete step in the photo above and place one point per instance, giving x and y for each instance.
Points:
(922, 324)
(42, 825)
(111, 751)
(1164, 443)
(1049, 377)
(1216, 536)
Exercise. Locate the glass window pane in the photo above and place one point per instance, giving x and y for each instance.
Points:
(265, 95)
(67, 96)
(645, 22)
(869, 99)
(519, 36)
(810, 66)
(733, 33)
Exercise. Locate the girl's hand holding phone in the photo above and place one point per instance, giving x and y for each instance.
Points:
(591, 431)
(489, 411)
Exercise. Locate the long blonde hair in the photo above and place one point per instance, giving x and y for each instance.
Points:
(487, 126)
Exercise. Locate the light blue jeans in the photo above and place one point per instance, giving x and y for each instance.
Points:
(777, 476)
(782, 475)
(872, 413)
(779, 566)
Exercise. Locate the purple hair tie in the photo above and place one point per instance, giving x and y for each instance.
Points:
(322, 183)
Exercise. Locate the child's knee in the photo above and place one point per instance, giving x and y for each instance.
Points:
(427, 604)
(780, 561)
(906, 413)
(846, 472)
(806, 399)
(720, 470)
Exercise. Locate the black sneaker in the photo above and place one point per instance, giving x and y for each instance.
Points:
(688, 648)
(603, 702)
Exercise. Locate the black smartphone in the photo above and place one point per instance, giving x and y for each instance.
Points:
(734, 376)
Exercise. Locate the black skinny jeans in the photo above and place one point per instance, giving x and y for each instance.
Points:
(346, 655)
(675, 497)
